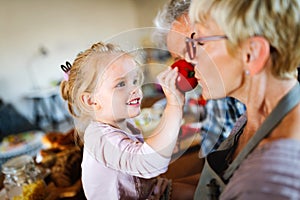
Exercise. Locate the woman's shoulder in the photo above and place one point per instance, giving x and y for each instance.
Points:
(275, 157)
(289, 126)
(279, 150)
(269, 170)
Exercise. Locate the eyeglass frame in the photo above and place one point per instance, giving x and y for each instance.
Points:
(194, 41)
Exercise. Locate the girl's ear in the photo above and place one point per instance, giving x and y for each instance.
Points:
(256, 54)
(89, 101)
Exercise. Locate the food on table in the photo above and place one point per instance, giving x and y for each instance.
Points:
(62, 156)
(33, 191)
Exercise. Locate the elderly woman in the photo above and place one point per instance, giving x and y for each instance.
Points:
(173, 24)
(250, 50)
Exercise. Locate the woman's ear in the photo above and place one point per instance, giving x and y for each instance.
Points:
(256, 54)
(89, 101)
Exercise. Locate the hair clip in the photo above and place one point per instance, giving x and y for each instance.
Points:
(66, 68)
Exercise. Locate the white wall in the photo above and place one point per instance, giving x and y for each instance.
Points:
(62, 28)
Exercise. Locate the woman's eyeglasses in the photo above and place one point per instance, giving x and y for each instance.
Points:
(191, 43)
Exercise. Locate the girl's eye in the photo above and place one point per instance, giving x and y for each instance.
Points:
(135, 82)
(121, 84)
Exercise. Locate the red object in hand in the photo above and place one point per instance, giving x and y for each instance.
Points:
(186, 80)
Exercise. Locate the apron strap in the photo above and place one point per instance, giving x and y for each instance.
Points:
(286, 104)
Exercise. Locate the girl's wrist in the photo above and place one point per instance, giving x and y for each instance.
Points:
(175, 106)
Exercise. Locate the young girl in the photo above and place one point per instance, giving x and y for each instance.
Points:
(103, 92)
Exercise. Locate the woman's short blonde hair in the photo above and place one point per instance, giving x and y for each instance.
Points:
(276, 20)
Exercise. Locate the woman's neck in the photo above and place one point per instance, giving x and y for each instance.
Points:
(264, 95)
(261, 97)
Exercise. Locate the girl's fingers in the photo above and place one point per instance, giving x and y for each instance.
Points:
(173, 78)
(168, 77)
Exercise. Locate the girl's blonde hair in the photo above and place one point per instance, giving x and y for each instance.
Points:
(83, 77)
(276, 20)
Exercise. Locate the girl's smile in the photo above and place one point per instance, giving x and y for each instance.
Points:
(134, 102)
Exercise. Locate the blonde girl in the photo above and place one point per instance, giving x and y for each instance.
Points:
(103, 92)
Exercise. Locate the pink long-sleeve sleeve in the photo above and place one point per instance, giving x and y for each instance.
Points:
(116, 164)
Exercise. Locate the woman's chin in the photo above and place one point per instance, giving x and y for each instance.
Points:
(205, 94)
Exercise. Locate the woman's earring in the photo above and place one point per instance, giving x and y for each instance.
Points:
(247, 72)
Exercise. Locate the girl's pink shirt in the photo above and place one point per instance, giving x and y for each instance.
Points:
(115, 164)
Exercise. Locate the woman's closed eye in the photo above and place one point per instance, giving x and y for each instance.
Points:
(200, 43)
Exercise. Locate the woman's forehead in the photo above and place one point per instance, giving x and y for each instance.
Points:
(210, 27)
(182, 24)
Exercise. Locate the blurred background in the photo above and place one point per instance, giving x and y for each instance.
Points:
(37, 36)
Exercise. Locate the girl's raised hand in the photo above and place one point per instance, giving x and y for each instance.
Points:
(167, 79)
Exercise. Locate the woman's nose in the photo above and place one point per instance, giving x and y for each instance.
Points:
(197, 75)
(187, 58)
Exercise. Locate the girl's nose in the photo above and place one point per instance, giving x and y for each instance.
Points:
(136, 89)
